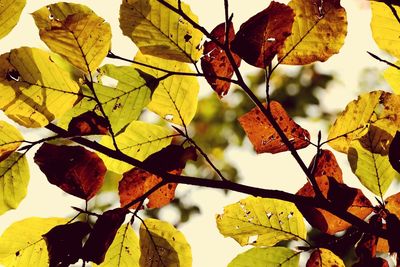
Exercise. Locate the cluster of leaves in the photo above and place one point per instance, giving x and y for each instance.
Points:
(66, 91)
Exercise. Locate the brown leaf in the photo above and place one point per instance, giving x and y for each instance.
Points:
(327, 166)
(392, 204)
(366, 247)
(102, 235)
(74, 169)
(260, 37)
(394, 152)
(64, 243)
(263, 135)
(215, 61)
(88, 123)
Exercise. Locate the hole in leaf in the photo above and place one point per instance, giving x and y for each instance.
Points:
(253, 239)
(169, 117)
(271, 39)
(269, 214)
(13, 75)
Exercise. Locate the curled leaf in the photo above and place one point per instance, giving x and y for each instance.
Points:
(74, 169)
(263, 135)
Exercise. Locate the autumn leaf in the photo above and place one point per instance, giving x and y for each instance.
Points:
(325, 164)
(84, 39)
(102, 235)
(159, 31)
(394, 152)
(392, 77)
(261, 222)
(260, 37)
(22, 244)
(10, 11)
(319, 30)
(273, 256)
(34, 89)
(263, 135)
(88, 123)
(64, 243)
(322, 257)
(10, 139)
(161, 244)
(215, 61)
(74, 169)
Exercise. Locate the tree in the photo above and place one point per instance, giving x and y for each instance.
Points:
(99, 135)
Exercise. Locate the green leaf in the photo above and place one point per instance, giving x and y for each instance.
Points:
(10, 11)
(369, 160)
(385, 27)
(377, 108)
(175, 98)
(34, 90)
(22, 244)
(262, 257)
(159, 31)
(139, 140)
(10, 139)
(83, 39)
(14, 180)
(124, 250)
(261, 222)
(162, 244)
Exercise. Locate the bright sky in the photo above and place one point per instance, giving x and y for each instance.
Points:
(278, 171)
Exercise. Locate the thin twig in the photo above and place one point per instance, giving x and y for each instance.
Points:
(383, 60)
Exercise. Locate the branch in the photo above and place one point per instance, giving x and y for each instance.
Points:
(384, 61)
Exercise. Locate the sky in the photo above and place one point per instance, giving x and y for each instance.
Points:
(279, 171)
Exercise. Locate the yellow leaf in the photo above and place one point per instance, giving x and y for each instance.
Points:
(318, 32)
(175, 98)
(83, 39)
(10, 139)
(22, 244)
(139, 140)
(368, 157)
(34, 90)
(263, 257)
(376, 108)
(261, 222)
(10, 11)
(171, 248)
(324, 258)
(124, 250)
(14, 180)
(159, 31)
(385, 27)
(392, 77)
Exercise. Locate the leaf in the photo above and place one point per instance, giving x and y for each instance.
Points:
(74, 169)
(10, 139)
(369, 161)
(263, 135)
(261, 257)
(83, 39)
(88, 123)
(393, 229)
(394, 152)
(261, 222)
(64, 243)
(377, 108)
(10, 11)
(34, 89)
(103, 234)
(124, 250)
(326, 165)
(262, 36)
(162, 244)
(159, 31)
(392, 77)
(322, 257)
(14, 180)
(22, 244)
(215, 62)
(175, 98)
(137, 144)
(385, 27)
(319, 30)
(172, 157)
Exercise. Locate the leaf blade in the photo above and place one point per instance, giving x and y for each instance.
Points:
(261, 257)
(10, 11)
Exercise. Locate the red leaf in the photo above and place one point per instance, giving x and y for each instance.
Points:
(260, 37)
(88, 123)
(263, 135)
(103, 234)
(215, 61)
(74, 169)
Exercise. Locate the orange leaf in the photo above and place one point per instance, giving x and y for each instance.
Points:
(392, 204)
(260, 37)
(74, 169)
(263, 135)
(327, 166)
(215, 61)
(88, 123)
